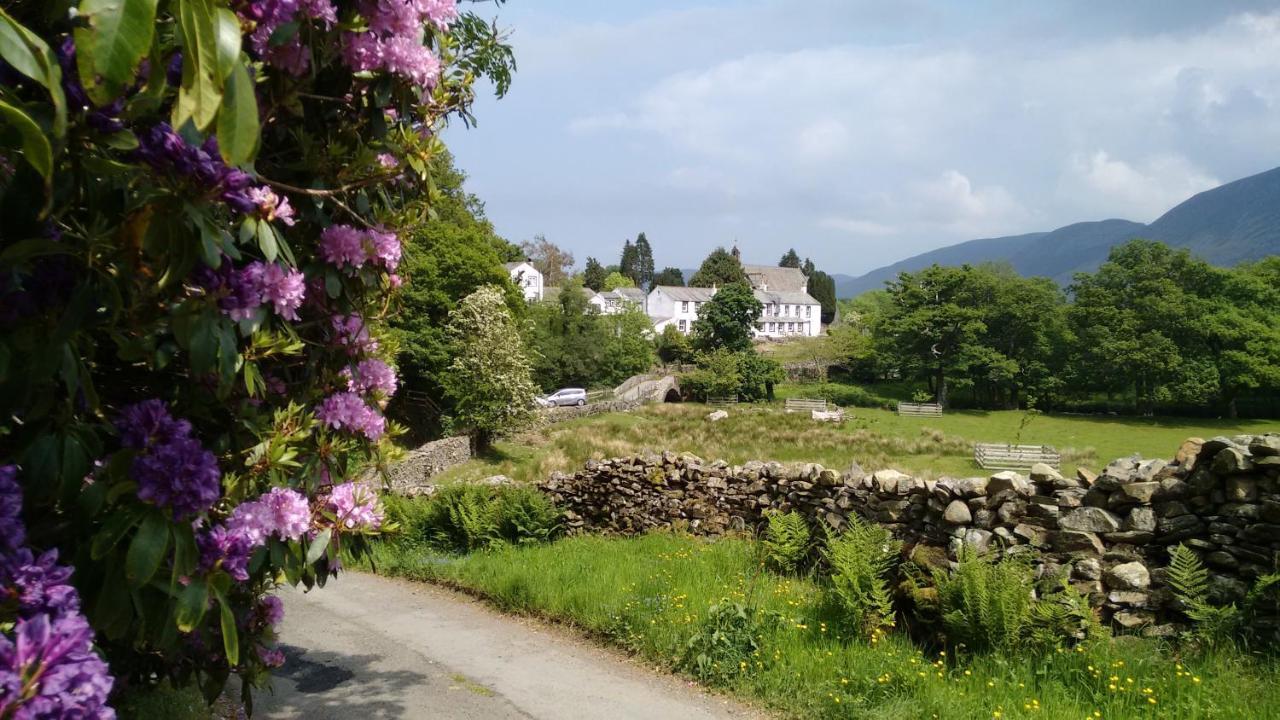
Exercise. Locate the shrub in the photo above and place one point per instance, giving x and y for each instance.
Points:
(985, 604)
(463, 517)
(861, 559)
(786, 540)
(1062, 618)
(725, 642)
(526, 516)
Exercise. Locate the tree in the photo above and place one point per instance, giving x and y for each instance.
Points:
(490, 381)
(673, 346)
(550, 259)
(757, 376)
(629, 264)
(669, 276)
(790, 260)
(627, 346)
(822, 287)
(616, 280)
(198, 269)
(644, 262)
(720, 268)
(808, 267)
(728, 320)
(593, 274)
(716, 375)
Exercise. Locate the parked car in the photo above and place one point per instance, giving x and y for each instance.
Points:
(565, 396)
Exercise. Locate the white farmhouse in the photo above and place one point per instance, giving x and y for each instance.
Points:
(527, 278)
(612, 302)
(787, 310)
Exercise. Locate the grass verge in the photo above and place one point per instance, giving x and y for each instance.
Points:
(653, 596)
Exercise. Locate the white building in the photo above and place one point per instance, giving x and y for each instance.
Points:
(612, 302)
(785, 312)
(527, 278)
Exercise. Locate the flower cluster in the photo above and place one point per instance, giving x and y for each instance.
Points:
(393, 41)
(201, 167)
(351, 332)
(267, 17)
(370, 376)
(355, 507)
(101, 118)
(48, 668)
(172, 469)
(272, 206)
(348, 411)
(346, 247)
(282, 512)
(242, 291)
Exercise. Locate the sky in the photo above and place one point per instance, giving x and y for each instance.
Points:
(861, 133)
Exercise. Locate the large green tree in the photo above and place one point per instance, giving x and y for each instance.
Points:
(554, 262)
(720, 268)
(728, 319)
(593, 274)
(822, 287)
(669, 276)
(490, 381)
(629, 262)
(790, 259)
(644, 262)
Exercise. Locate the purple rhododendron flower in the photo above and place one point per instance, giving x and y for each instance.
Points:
(272, 609)
(388, 161)
(200, 168)
(355, 506)
(386, 248)
(272, 206)
(348, 411)
(351, 332)
(283, 287)
(343, 246)
(371, 375)
(268, 16)
(288, 512)
(271, 657)
(223, 547)
(393, 42)
(172, 469)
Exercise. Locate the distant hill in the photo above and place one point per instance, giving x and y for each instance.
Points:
(1226, 225)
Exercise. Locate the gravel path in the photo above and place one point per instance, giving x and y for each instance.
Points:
(369, 647)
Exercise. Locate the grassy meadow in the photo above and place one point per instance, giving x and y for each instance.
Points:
(876, 439)
(652, 595)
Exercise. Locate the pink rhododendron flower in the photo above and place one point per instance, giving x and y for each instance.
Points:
(371, 375)
(348, 411)
(351, 332)
(282, 287)
(388, 161)
(385, 248)
(355, 507)
(343, 246)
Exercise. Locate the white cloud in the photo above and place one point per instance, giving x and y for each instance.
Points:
(1139, 192)
(857, 227)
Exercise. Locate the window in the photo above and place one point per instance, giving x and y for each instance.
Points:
(684, 308)
(808, 311)
(683, 325)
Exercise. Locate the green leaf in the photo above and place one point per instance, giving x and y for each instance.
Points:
(35, 145)
(192, 602)
(332, 283)
(248, 230)
(31, 56)
(230, 637)
(238, 120)
(24, 250)
(228, 41)
(318, 545)
(109, 536)
(146, 551)
(118, 35)
(267, 241)
(200, 94)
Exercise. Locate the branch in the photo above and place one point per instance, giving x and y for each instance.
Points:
(318, 192)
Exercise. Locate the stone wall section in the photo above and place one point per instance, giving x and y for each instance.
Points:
(419, 465)
(1109, 534)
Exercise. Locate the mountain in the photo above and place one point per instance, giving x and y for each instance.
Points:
(1227, 225)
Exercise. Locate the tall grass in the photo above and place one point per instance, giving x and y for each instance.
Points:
(653, 594)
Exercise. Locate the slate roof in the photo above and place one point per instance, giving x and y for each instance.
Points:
(688, 294)
(779, 279)
(788, 298)
(513, 265)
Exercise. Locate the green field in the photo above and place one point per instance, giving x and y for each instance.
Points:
(876, 439)
(651, 595)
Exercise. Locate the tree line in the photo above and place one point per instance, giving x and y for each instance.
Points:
(1153, 328)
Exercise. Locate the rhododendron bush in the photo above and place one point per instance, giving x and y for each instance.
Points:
(202, 202)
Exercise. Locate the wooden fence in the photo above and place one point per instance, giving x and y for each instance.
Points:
(722, 400)
(805, 405)
(994, 456)
(905, 408)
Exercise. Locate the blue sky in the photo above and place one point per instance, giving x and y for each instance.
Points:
(864, 132)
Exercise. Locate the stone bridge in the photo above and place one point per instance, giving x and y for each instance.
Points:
(653, 387)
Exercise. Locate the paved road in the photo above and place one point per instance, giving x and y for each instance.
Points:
(368, 647)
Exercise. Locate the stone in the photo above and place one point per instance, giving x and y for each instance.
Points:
(718, 415)
(1031, 534)
(887, 480)
(1087, 476)
(1140, 518)
(1129, 597)
(495, 481)
(1265, 446)
(828, 478)
(1090, 520)
(855, 473)
(1008, 480)
(1147, 471)
(970, 487)
(1241, 489)
(1138, 493)
(957, 513)
(1188, 451)
(978, 540)
(1133, 619)
(1231, 460)
(1073, 541)
(1132, 537)
(1087, 569)
(1128, 577)
(1071, 498)
(1040, 472)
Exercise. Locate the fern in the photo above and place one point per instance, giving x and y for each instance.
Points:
(985, 604)
(861, 560)
(786, 541)
(1262, 610)
(1062, 617)
(1189, 579)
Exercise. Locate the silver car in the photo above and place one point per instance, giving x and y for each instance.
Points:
(565, 396)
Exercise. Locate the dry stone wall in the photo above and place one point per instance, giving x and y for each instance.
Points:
(1109, 534)
(419, 465)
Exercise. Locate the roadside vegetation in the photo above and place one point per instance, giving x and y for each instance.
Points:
(819, 644)
(875, 439)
